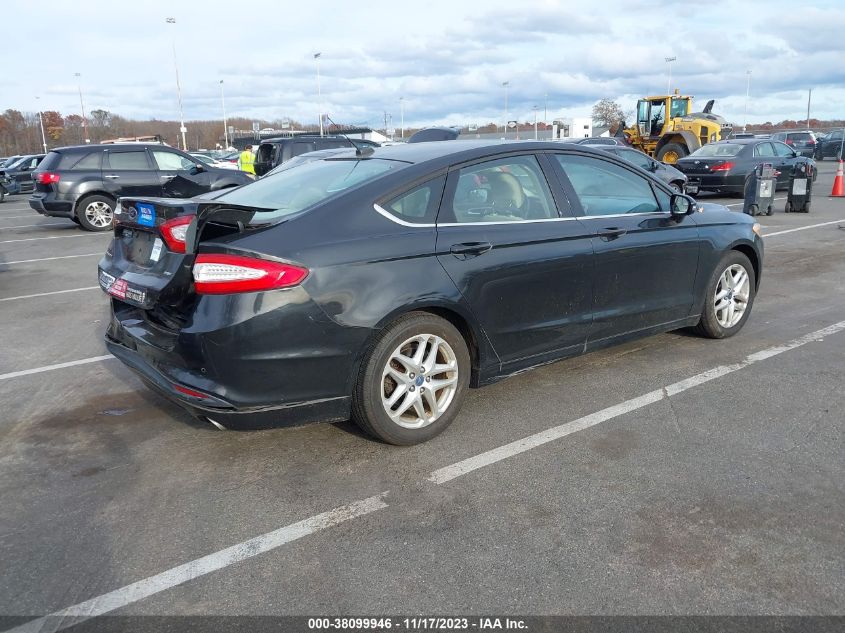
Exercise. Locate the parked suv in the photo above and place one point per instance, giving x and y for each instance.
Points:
(84, 182)
(804, 143)
(275, 151)
(830, 145)
(16, 176)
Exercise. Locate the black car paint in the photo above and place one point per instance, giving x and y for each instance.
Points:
(17, 176)
(830, 146)
(545, 290)
(60, 199)
(699, 169)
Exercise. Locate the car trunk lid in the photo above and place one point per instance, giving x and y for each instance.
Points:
(148, 266)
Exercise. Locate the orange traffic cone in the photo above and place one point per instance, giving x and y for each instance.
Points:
(838, 184)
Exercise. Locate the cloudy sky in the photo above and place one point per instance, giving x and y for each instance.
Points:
(446, 59)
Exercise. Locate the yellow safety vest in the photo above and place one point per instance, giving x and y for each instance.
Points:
(245, 162)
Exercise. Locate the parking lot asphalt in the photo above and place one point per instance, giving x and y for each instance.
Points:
(726, 496)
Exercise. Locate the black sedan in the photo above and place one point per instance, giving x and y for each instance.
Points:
(381, 284)
(723, 166)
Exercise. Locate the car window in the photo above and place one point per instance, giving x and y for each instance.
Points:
(637, 158)
(779, 136)
(782, 150)
(607, 189)
(419, 205)
(717, 149)
(302, 148)
(505, 190)
(170, 161)
(292, 190)
(835, 135)
(800, 136)
(133, 159)
(764, 149)
(84, 162)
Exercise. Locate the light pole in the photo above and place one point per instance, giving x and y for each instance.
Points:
(182, 127)
(41, 121)
(319, 94)
(225, 123)
(669, 61)
(505, 85)
(809, 96)
(545, 109)
(402, 116)
(747, 93)
(535, 108)
(82, 105)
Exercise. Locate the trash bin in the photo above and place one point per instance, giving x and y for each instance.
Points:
(760, 190)
(800, 189)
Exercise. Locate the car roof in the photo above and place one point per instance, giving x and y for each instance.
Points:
(78, 148)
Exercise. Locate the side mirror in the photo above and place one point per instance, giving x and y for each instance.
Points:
(654, 165)
(198, 168)
(682, 205)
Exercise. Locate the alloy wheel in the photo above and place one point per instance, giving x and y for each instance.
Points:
(732, 294)
(99, 214)
(419, 381)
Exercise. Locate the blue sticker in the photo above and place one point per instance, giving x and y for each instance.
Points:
(146, 214)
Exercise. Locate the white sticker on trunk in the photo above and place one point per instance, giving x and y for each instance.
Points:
(156, 252)
(799, 186)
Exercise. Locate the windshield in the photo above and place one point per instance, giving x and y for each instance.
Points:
(292, 190)
(717, 149)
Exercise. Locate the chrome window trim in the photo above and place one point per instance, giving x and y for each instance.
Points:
(568, 219)
(382, 211)
(624, 215)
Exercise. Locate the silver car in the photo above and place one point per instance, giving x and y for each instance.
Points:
(676, 179)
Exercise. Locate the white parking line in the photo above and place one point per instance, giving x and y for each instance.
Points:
(739, 204)
(38, 370)
(200, 567)
(29, 226)
(52, 237)
(804, 228)
(47, 294)
(448, 473)
(15, 217)
(48, 259)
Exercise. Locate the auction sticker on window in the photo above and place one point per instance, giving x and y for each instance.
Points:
(146, 214)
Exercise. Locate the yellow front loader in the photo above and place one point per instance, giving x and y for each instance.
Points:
(667, 130)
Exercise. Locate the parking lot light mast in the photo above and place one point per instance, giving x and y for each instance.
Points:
(669, 61)
(505, 85)
(182, 129)
(402, 116)
(225, 123)
(82, 105)
(747, 93)
(41, 121)
(319, 94)
(535, 122)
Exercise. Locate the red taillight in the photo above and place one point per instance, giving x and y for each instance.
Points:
(189, 392)
(174, 232)
(811, 142)
(723, 167)
(47, 177)
(226, 274)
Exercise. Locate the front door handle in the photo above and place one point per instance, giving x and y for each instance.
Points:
(112, 176)
(166, 178)
(611, 233)
(471, 249)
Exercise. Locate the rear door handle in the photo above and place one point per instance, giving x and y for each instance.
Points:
(611, 233)
(112, 176)
(470, 248)
(168, 177)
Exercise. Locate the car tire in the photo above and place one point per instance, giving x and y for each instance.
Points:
(95, 213)
(788, 208)
(2, 194)
(382, 374)
(723, 322)
(679, 150)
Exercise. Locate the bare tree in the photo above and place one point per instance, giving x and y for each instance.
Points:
(607, 112)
